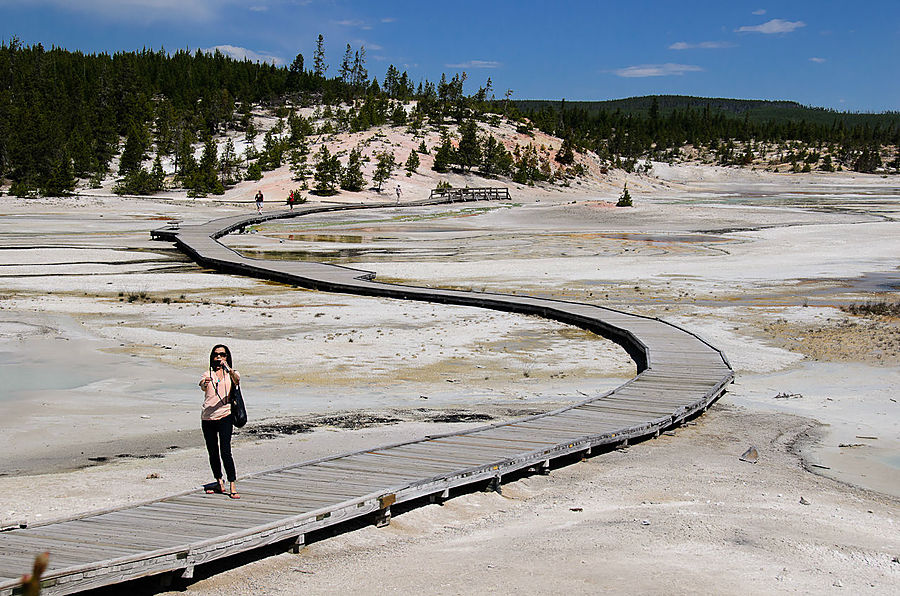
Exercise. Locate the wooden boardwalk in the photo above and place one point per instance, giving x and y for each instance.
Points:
(471, 194)
(679, 375)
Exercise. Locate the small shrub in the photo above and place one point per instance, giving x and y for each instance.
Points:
(625, 199)
(22, 190)
(135, 296)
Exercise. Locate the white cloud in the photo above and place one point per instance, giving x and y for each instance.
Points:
(360, 24)
(817, 60)
(259, 8)
(476, 64)
(773, 26)
(703, 45)
(239, 53)
(388, 20)
(140, 10)
(656, 70)
(760, 12)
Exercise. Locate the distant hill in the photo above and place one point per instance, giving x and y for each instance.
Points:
(756, 110)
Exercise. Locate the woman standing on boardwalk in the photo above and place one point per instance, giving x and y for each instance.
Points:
(215, 419)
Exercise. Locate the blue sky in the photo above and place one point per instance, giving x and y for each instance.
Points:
(836, 54)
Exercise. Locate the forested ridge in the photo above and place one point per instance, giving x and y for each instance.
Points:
(66, 115)
(757, 110)
(736, 132)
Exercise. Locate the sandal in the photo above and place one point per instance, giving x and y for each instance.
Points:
(218, 490)
(234, 495)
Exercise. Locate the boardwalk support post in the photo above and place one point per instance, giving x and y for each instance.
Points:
(493, 485)
(439, 498)
(383, 515)
(545, 467)
(298, 544)
(187, 572)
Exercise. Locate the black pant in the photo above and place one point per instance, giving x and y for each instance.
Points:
(218, 436)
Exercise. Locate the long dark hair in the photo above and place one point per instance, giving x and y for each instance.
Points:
(212, 363)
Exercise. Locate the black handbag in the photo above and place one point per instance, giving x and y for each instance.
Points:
(238, 410)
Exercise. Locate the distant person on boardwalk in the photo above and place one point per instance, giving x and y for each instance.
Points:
(215, 419)
(290, 200)
(398, 193)
(259, 200)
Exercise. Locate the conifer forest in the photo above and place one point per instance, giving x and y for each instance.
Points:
(67, 116)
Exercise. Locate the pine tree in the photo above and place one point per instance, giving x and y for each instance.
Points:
(184, 156)
(206, 178)
(352, 176)
(133, 153)
(137, 182)
(319, 66)
(297, 65)
(625, 199)
(254, 172)
(273, 150)
(328, 170)
(495, 159)
(383, 168)
(565, 155)
(299, 128)
(344, 71)
(228, 163)
(398, 115)
(412, 162)
(61, 181)
(868, 160)
(299, 167)
(528, 167)
(359, 76)
(157, 175)
(444, 156)
(392, 82)
(468, 154)
(166, 127)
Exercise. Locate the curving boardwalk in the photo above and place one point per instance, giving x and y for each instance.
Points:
(679, 375)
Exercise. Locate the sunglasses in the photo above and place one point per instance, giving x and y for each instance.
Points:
(217, 354)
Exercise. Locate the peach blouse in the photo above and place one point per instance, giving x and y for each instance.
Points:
(216, 401)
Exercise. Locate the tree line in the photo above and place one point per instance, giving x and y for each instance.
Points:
(623, 136)
(67, 115)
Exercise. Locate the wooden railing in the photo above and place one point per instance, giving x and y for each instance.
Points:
(470, 194)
